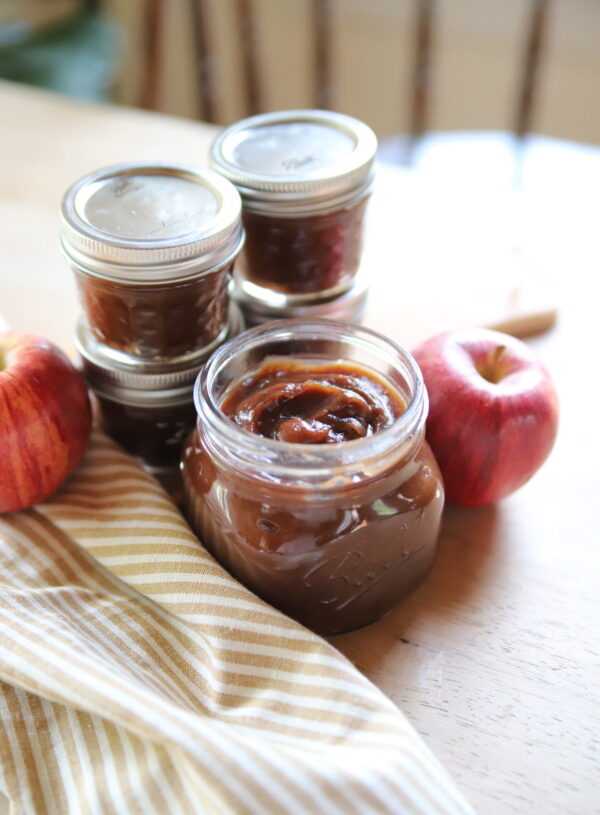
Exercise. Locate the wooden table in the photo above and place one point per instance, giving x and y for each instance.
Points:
(495, 659)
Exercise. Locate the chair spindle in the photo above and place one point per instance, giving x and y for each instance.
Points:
(422, 68)
(534, 45)
(249, 51)
(204, 62)
(154, 19)
(322, 32)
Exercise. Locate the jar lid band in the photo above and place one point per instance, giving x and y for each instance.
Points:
(296, 156)
(143, 220)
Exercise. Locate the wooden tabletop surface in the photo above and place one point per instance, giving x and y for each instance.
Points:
(496, 658)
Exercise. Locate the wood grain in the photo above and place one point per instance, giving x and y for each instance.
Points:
(495, 659)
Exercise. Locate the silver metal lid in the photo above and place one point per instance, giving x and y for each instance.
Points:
(296, 159)
(128, 379)
(346, 307)
(151, 222)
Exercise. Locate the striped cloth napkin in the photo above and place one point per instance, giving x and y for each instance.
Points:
(138, 677)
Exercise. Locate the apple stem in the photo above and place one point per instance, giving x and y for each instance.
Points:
(491, 369)
(494, 374)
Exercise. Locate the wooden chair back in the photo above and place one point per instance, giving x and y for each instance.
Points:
(322, 23)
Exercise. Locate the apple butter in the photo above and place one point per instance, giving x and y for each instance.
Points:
(156, 322)
(304, 255)
(306, 402)
(304, 177)
(152, 248)
(308, 475)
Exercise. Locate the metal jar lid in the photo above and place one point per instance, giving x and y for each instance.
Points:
(296, 160)
(130, 380)
(151, 223)
(349, 306)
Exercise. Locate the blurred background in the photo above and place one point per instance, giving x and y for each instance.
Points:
(404, 66)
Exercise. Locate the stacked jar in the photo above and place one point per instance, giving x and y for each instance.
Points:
(305, 177)
(152, 247)
(305, 469)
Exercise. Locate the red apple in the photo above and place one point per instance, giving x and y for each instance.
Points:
(45, 419)
(493, 413)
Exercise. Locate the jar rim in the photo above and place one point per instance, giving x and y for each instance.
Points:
(321, 462)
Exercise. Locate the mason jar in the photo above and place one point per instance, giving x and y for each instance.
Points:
(305, 177)
(152, 247)
(145, 406)
(332, 534)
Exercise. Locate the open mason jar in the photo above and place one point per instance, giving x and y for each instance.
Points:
(152, 247)
(305, 178)
(333, 534)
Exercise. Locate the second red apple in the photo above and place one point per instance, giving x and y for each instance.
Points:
(493, 413)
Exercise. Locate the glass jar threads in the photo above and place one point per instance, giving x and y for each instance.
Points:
(308, 476)
(152, 247)
(304, 177)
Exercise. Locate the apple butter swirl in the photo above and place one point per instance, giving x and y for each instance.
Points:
(312, 402)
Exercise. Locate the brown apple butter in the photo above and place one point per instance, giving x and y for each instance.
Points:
(306, 402)
(156, 322)
(309, 478)
(304, 255)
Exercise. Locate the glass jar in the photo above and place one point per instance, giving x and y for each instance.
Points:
(335, 535)
(146, 407)
(348, 306)
(152, 248)
(305, 177)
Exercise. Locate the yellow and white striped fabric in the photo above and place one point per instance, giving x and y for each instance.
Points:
(139, 677)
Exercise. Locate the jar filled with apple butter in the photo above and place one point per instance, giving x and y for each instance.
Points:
(152, 247)
(305, 177)
(145, 406)
(308, 475)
